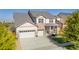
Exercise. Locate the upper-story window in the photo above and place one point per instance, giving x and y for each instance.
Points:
(52, 20)
(40, 20)
(58, 19)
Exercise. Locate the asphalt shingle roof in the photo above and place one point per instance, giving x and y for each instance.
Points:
(42, 13)
(21, 18)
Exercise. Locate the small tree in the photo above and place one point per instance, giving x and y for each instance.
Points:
(71, 31)
(7, 39)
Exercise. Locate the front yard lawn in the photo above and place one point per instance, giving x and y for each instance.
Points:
(59, 40)
(70, 47)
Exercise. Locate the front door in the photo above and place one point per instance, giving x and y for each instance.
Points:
(53, 29)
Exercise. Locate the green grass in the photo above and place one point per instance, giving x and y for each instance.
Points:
(70, 47)
(59, 40)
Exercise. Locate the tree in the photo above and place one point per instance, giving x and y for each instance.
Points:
(71, 31)
(7, 39)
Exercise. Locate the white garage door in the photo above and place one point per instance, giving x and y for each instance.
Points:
(27, 34)
(40, 33)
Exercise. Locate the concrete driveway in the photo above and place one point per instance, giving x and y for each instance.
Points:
(39, 43)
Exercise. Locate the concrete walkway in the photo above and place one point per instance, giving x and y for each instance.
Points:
(39, 43)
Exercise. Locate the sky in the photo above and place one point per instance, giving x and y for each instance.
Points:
(7, 14)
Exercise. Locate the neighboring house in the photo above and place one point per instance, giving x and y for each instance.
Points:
(36, 24)
(63, 17)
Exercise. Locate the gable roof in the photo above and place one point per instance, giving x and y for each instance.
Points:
(42, 13)
(21, 18)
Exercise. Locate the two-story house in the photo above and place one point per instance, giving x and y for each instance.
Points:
(36, 24)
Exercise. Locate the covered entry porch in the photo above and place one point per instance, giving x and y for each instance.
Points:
(51, 28)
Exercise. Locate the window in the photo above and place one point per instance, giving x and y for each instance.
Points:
(51, 21)
(27, 31)
(51, 27)
(40, 20)
(40, 29)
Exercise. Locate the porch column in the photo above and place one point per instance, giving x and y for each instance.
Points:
(49, 29)
(58, 29)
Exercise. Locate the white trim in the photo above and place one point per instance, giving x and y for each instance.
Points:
(37, 19)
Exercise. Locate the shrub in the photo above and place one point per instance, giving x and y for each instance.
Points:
(71, 32)
(7, 38)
